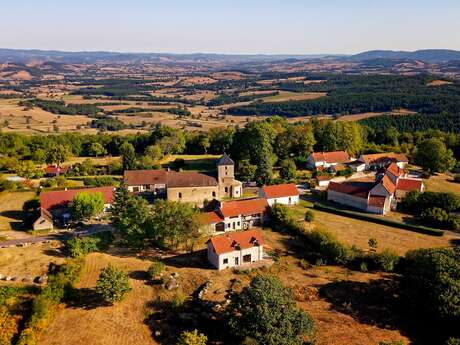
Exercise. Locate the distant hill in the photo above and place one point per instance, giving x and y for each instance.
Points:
(426, 55)
(32, 55)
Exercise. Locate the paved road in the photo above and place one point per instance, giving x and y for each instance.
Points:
(60, 236)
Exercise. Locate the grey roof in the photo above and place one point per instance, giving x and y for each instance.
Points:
(225, 160)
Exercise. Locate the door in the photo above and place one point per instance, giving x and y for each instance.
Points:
(237, 261)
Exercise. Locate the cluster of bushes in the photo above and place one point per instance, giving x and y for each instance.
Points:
(59, 107)
(59, 287)
(79, 247)
(100, 181)
(433, 208)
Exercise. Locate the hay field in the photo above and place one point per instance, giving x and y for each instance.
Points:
(442, 183)
(40, 121)
(285, 96)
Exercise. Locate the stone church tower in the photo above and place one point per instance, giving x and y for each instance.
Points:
(228, 186)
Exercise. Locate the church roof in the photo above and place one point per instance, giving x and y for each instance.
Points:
(225, 160)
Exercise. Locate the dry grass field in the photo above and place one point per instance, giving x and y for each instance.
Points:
(29, 261)
(36, 120)
(321, 290)
(442, 183)
(357, 117)
(285, 96)
(11, 214)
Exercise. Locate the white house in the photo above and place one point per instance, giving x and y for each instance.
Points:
(327, 159)
(286, 194)
(236, 249)
(234, 215)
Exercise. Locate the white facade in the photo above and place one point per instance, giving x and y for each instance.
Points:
(347, 199)
(234, 258)
(285, 200)
(156, 188)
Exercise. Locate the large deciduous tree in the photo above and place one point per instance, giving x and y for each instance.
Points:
(266, 311)
(433, 156)
(112, 284)
(86, 205)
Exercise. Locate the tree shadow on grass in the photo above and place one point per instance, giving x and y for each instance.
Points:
(377, 303)
(139, 275)
(86, 298)
(455, 241)
(197, 259)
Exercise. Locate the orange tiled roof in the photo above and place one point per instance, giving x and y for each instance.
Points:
(382, 157)
(409, 184)
(244, 207)
(331, 157)
(236, 241)
(388, 184)
(358, 189)
(280, 190)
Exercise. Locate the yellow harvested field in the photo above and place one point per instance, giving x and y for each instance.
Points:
(294, 96)
(40, 121)
(361, 116)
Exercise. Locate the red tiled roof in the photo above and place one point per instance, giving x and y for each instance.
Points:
(394, 169)
(383, 157)
(53, 169)
(331, 157)
(60, 198)
(229, 242)
(212, 217)
(376, 200)
(280, 190)
(145, 177)
(388, 184)
(409, 184)
(358, 189)
(244, 207)
(323, 178)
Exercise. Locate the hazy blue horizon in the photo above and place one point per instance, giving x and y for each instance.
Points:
(289, 27)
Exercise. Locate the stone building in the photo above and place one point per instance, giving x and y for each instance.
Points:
(187, 186)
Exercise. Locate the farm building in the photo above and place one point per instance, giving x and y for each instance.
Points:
(190, 187)
(379, 196)
(236, 215)
(236, 249)
(380, 160)
(54, 206)
(327, 159)
(286, 194)
(54, 170)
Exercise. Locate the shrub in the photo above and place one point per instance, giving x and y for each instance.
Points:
(457, 178)
(309, 216)
(453, 341)
(112, 284)
(155, 269)
(282, 218)
(387, 260)
(8, 326)
(192, 338)
(78, 247)
(178, 164)
(439, 218)
(325, 246)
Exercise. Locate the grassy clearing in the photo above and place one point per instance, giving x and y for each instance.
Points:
(11, 214)
(285, 96)
(442, 183)
(193, 162)
(358, 232)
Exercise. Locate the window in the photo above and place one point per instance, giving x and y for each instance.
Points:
(238, 223)
(226, 189)
(225, 261)
(247, 258)
(289, 199)
(213, 194)
(180, 195)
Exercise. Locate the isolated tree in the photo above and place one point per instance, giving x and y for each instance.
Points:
(57, 154)
(86, 205)
(288, 169)
(264, 170)
(433, 156)
(192, 338)
(266, 311)
(112, 284)
(128, 156)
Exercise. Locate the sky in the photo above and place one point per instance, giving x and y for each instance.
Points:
(230, 26)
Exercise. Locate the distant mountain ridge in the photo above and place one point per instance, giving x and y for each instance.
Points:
(425, 55)
(35, 55)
